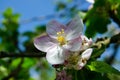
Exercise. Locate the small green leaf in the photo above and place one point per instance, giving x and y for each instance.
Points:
(28, 63)
(15, 62)
(102, 67)
(3, 72)
(15, 17)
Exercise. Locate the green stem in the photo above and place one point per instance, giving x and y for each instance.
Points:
(82, 75)
(76, 75)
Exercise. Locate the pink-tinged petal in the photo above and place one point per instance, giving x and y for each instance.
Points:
(84, 57)
(81, 64)
(43, 43)
(55, 55)
(86, 54)
(53, 27)
(90, 41)
(74, 28)
(85, 46)
(84, 38)
(74, 45)
(86, 43)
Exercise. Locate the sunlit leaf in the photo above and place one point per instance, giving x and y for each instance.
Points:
(102, 67)
(28, 63)
(7, 13)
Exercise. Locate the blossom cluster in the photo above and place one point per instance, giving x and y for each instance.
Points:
(65, 44)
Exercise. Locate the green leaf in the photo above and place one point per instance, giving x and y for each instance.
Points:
(113, 77)
(114, 1)
(28, 63)
(7, 13)
(3, 72)
(97, 18)
(15, 17)
(102, 67)
(15, 62)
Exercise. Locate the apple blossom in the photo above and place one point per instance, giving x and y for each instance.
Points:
(83, 58)
(86, 43)
(60, 39)
(78, 60)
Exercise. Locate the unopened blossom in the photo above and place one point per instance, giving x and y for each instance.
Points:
(83, 58)
(78, 60)
(86, 43)
(60, 39)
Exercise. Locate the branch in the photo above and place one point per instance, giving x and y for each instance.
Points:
(98, 44)
(6, 54)
(106, 41)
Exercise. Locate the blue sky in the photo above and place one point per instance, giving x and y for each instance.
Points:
(33, 8)
(28, 9)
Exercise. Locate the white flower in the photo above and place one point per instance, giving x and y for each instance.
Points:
(60, 40)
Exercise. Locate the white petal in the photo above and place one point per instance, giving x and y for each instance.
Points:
(55, 55)
(43, 43)
(81, 64)
(74, 28)
(86, 54)
(85, 46)
(90, 41)
(84, 38)
(86, 42)
(74, 45)
(53, 27)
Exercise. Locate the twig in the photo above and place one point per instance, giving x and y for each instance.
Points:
(105, 41)
(6, 54)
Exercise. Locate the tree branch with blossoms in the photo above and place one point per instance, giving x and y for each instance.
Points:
(99, 41)
(69, 50)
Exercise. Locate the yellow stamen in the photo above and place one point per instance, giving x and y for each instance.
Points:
(61, 37)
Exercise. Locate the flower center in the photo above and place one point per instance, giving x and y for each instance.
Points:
(61, 37)
(73, 58)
